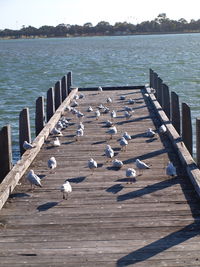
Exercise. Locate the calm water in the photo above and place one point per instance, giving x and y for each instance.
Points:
(30, 67)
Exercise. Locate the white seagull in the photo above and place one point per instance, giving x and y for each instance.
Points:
(56, 142)
(56, 131)
(122, 97)
(131, 101)
(79, 133)
(109, 123)
(100, 89)
(131, 173)
(113, 114)
(109, 100)
(66, 189)
(141, 165)
(162, 129)
(27, 145)
(81, 126)
(33, 179)
(117, 163)
(170, 169)
(97, 114)
(123, 143)
(150, 133)
(79, 115)
(92, 164)
(127, 115)
(109, 152)
(90, 109)
(126, 136)
(52, 164)
(112, 131)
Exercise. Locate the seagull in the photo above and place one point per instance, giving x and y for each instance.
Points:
(100, 89)
(131, 101)
(109, 152)
(59, 125)
(141, 165)
(126, 136)
(112, 131)
(64, 121)
(122, 97)
(33, 179)
(52, 164)
(109, 100)
(129, 109)
(92, 164)
(56, 131)
(170, 169)
(74, 104)
(90, 109)
(79, 133)
(123, 143)
(106, 110)
(97, 114)
(113, 114)
(131, 173)
(150, 133)
(162, 129)
(74, 111)
(79, 115)
(100, 106)
(76, 97)
(109, 123)
(27, 145)
(127, 115)
(81, 96)
(81, 126)
(56, 142)
(117, 163)
(66, 189)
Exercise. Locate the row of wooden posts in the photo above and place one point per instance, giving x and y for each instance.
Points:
(55, 96)
(180, 117)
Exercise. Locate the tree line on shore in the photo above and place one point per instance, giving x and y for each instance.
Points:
(161, 24)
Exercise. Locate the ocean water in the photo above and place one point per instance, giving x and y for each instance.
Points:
(28, 68)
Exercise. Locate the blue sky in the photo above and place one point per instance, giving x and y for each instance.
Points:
(15, 13)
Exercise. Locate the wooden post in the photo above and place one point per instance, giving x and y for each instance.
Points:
(198, 141)
(57, 94)
(50, 107)
(187, 127)
(155, 83)
(150, 78)
(69, 81)
(5, 151)
(24, 129)
(159, 91)
(166, 99)
(64, 87)
(175, 112)
(39, 115)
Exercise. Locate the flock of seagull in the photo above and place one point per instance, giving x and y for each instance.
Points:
(131, 173)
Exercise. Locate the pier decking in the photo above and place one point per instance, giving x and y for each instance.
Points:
(105, 221)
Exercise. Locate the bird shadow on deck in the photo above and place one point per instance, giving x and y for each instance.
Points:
(149, 189)
(47, 206)
(77, 180)
(146, 156)
(134, 120)
(115, 188)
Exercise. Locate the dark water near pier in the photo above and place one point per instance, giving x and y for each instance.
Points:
(29, 67)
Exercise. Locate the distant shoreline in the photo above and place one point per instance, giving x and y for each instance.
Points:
(90, 35)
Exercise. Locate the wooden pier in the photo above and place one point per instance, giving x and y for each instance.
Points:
(106, 221)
